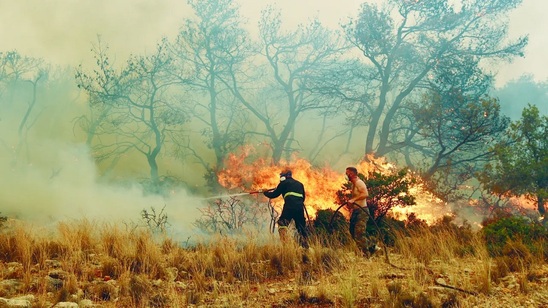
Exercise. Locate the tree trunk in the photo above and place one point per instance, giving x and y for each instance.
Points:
(280, 144)
(375, 119)
(154, 177)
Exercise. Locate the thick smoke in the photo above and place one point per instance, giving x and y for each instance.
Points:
(63, 185)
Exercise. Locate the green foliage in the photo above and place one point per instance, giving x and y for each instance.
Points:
(459, 129)
(326, 223)
(385, 192)
(389, 191)
(331, 227)
(521, 164)
(498, 233)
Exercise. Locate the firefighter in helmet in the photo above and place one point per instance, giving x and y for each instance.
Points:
(294, 196)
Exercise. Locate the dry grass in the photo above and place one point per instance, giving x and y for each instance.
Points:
(114, 267)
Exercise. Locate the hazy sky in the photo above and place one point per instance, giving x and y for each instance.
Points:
(62, 31)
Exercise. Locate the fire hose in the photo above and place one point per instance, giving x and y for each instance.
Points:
(273, 211)
(370, 215)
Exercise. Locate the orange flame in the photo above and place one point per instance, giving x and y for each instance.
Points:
(321, 183)
(428, 207)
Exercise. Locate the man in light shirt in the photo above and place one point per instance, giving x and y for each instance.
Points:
(358, 218)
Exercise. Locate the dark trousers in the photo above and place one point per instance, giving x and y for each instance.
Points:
(296, 213)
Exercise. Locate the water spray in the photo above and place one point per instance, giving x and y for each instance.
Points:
(239, 194)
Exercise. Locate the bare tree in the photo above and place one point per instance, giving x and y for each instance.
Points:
(207, 49)
(295, 59)
(155, 220)
(231, 215)
(21, 78)
(273, 84)
(138, 109)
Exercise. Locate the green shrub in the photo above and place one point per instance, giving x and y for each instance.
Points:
(514, 229)
(331, 227)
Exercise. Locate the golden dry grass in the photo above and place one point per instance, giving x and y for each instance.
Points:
(115, 267)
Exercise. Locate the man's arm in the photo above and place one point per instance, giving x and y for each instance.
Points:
(274, 193)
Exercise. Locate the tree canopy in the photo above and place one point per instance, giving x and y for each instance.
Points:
(521, 165)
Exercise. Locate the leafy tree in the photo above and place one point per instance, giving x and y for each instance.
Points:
(456, 132)
(521, 164)
(93, 123)
(409, 42)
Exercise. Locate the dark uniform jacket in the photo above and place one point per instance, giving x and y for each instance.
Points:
(291, 190)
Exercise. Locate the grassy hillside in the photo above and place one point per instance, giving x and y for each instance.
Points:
(113, 266)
